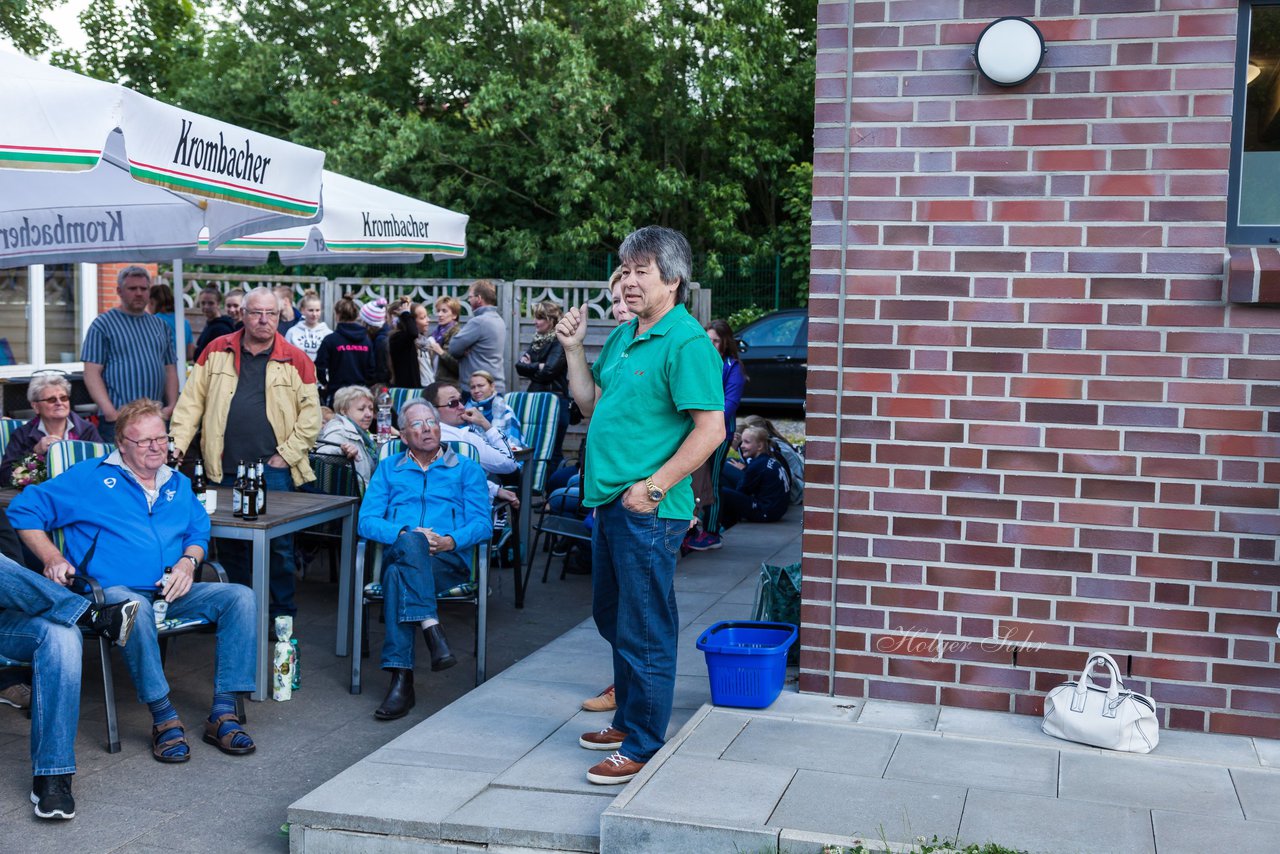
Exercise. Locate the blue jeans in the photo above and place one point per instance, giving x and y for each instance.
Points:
(235, 558)
(37, 624)
(229, 605)
(411, 579)
(633, 571)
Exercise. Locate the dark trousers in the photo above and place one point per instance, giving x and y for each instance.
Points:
(236, 559)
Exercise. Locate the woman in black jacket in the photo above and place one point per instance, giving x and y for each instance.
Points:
(345, 356)
(544, 365)
(403, 352)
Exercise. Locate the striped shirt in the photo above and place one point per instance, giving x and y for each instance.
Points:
(134, 350)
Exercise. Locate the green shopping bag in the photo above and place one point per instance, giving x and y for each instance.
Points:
(778, 598)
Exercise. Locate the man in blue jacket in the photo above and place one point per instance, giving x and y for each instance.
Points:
(429, 507)
(135, 525)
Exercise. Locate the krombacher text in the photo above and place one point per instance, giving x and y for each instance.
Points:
(394, 226)
(218, 157)
(64, 232)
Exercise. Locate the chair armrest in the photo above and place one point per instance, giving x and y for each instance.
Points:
(217, 570)
(90, 585)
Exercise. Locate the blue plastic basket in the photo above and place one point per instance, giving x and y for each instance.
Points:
(746, 661)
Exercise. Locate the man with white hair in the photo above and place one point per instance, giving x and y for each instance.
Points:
(253, 397)
(129, 354)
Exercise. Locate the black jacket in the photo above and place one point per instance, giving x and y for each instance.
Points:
(554, 377)
(215, 328)
(345, 358)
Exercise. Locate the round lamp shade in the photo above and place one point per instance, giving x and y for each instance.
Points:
(1009, 51)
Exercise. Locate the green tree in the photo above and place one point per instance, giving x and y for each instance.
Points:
(22, 22)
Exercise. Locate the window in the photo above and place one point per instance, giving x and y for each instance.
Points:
(1253, 204)
(774, 331)
(42, 326)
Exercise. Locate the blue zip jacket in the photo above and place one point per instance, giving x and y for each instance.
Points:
(451, 497)
(97, 498)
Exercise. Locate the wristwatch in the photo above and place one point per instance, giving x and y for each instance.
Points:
(655, 492)
(195, 564)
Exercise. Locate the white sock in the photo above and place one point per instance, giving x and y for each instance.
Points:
(428, 623)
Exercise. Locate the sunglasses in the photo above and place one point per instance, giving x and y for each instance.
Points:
(456, 403)
(60, 398)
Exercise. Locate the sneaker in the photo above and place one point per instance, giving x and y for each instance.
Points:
(703, 542)
(606, 739)
(52, 796)
(605, 701)
(561, 547)
(614, 770)
(17, 695)
(114, 622)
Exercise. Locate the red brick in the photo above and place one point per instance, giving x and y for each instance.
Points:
(985, 508)
(1256, 701)
(1108, 588)
(1017, 631)
(1258, 625)
(915, 668)
(908, 692)
(1112, 489)
(996, 701)
(1100, 440)
(1004, 434)
(1238, 496)
(975, 604)
(1204, 646)
(1178, 519)
(1056, 559)
(1165, 668)
(1115, 539)
(1115, 639)
(1247, 675)
(1238, 598)
(1113, 464)
(1038, 535)
(1244, 725)
(1179, 619)
(1096, 514)
(1040, 486)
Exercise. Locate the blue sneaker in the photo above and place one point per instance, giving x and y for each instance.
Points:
(703, 542)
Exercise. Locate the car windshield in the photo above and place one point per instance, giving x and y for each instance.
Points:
(773, 331)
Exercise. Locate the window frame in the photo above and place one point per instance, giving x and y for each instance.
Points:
(1237, 234)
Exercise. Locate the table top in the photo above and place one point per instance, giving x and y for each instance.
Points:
(282, 507)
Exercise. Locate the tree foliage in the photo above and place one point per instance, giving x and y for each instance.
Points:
(558, 125)
(22, 22)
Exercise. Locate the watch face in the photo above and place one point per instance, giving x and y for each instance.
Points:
(655, 495)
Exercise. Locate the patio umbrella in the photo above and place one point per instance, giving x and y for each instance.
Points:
(93, 171)
(362, 223)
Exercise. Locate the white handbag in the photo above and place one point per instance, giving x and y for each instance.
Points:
(1103, 717)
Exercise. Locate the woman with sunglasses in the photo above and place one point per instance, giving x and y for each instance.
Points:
(50, 396)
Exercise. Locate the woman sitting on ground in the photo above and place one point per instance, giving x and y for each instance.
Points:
(50, 396)
(485, 397)
(758, 488)
(784, 450)
(347, 433)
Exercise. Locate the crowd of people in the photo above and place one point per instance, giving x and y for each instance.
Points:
(276, 384)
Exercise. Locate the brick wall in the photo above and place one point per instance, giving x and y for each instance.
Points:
(1036, 425)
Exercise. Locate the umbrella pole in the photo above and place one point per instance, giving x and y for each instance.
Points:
(179, 324)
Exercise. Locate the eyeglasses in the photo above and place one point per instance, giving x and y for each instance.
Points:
(262, 315)
(59, 398)
(423, 423)
(456, 403)
(157, 442)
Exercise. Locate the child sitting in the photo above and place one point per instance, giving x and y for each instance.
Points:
(757, 489)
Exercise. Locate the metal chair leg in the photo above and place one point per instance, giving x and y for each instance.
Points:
(109, 697)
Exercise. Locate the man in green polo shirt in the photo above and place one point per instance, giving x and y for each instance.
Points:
(656, 404)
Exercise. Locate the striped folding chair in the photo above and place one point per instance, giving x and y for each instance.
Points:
(399, 396)
(7, 426)
(473, 592)
(63, 455)
(539, 414)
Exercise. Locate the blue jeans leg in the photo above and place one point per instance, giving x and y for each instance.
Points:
(142, 653)
(32, 594)
(411, 578)
(634, 605)
(54, 653)
(234, 554)
(231, 607)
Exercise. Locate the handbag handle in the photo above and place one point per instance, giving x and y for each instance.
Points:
(1082, 685)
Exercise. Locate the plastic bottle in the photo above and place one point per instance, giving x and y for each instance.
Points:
(384, 416)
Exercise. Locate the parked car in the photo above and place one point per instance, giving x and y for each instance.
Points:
(775, 353)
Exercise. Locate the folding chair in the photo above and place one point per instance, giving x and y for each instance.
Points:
(473, 592)
(539, 415)
(7, 426)
(335, 475)
(400, 396)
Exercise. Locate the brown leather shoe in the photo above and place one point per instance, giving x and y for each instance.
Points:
(614, 770)
(606, 739)
(605, 701)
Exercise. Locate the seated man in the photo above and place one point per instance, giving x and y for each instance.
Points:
(429, 507)
(459, 423)
(135, 525)
(38, 622)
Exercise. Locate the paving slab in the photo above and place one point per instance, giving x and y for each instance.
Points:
(795, 706)
(713, 734)
(1211, 747)
(622, 833)
(1259, 793)
(558, 764)
(556, 820)
(1149, 783)
(1053, 826)
(891, 714)
(971, 762)
(841, 805)
(505, 735)
(735, 794)
(1268, 750)
(816, 746)
(1187, 833)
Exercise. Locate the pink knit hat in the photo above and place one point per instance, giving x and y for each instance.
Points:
(374, 313)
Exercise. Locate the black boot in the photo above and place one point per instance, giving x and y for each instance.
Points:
(399, 699)
(441, 657)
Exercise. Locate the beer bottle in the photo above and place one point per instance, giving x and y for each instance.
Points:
(250, 511)
(237, 491)
(262, 490)
(198, 484)
(172, 459)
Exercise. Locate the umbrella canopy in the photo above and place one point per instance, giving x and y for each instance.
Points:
(93, 171)
(362, 224)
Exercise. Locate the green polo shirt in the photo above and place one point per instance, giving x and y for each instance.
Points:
(649, 384)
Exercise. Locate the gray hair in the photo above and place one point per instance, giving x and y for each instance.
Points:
(665, 247)
(413, 402)
(263, 290)
(133, 270)
(40, 382)
(344, 397)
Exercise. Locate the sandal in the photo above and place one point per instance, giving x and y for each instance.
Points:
(173, 749)
(225, 738)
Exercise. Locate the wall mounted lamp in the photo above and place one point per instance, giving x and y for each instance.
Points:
(1009, 50)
